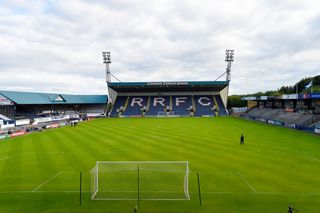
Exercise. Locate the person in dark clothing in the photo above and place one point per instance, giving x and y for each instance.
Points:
(290, 209)
(241, 139)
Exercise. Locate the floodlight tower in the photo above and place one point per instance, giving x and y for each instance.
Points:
(229, 60)
(107, 60)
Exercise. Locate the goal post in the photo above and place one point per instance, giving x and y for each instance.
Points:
(94, 181)
(140, 180)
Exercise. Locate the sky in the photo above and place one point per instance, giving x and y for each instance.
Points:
(55, 45)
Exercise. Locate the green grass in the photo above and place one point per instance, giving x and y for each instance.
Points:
(275, 168)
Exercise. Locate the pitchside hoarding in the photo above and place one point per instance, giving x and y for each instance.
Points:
(250, 98)
(290, 96)
(308, 96)
(263, 98)
(4, 136)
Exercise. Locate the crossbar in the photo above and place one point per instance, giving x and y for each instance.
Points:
(141, 162)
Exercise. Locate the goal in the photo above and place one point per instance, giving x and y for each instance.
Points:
(140, 180)
(162, 114)
(171, 114)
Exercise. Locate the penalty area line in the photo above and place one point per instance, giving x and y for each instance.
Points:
(311, 157)
(267, 193)
(9, 156)
(47, 181)
(22, 192)
(29, 153)
(245, 180)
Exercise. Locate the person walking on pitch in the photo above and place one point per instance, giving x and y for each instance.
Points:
(241, 139)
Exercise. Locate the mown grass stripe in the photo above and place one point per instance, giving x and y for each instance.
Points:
(267, 161)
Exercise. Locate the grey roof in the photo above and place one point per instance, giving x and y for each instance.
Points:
(48, 98)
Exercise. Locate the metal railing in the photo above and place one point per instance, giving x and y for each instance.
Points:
(311, 121)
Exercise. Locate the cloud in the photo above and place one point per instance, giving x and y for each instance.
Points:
(56, 45)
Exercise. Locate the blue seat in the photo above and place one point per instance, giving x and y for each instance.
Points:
(180, 105)
(120, 101)
(158, 104)
(135, 104)
(204, 105)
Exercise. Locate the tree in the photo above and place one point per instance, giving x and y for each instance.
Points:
(235, 100)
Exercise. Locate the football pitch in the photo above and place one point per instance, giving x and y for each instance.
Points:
(275, 168)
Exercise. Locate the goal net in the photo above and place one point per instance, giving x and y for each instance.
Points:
(162, 114)
(140, 180)
(171, 114)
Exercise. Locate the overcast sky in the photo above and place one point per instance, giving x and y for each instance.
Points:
(55, 45)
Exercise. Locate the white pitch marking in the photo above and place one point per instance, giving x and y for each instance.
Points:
(311, 157)
(172, 192)
(18, 192)
(28, 153)
(245, 180)
(70, 191)
(9, 156)
(218, 172)
(47, 181)
(136, 199)
(265, 193)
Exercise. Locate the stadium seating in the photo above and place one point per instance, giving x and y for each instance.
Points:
(265, 113)
(281, 115)
(26, 113)
(135, 104)
(178, 105)
(316, 125)
(222, 110)
(5, 118)
(204, 105)
(120, 102)
(157, 104)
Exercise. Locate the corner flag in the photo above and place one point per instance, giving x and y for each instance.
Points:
(309, 85)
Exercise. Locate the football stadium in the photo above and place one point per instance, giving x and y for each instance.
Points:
(169, 146)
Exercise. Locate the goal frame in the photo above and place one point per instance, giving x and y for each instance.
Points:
(95, 179)
(162, 114)
(171, 114)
